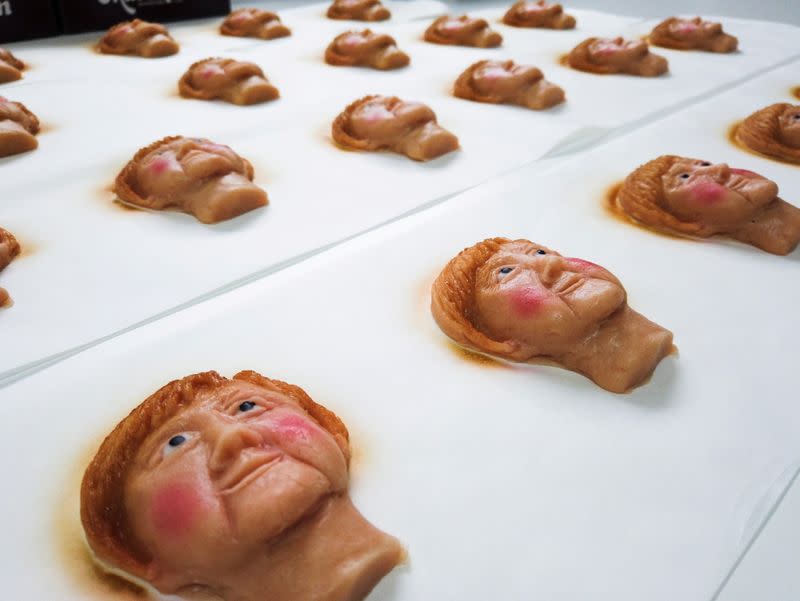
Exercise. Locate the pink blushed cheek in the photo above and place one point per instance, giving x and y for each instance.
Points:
(495, 73)
(176, 508)
(582, 263)
(706, 192)
(295, 427)
(352, 41)
(745, 173)
(526, 302)
(208, 72)
(161, 165)
(687, 27)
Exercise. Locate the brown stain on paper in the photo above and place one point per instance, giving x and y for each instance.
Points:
(71, 547)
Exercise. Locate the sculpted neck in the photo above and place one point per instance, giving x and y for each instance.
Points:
(622, 353)
(776, 229)
(334, 555)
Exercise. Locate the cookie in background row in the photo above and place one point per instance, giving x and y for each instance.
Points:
(389, 123)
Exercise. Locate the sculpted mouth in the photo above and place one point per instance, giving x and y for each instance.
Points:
(245, 472)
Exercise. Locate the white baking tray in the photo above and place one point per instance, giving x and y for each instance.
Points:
(505, 482)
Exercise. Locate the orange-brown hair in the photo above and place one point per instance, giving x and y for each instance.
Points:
(761, 132)
(453, 300)
(261, 17)
(125, 186)
(360, 11)
(103, 512)
(341, 126)
(8, 238)
(642, 197)
(551, 16)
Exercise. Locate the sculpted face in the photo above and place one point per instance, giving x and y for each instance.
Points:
(409, 128)
(366, 48)
(692, 34)
(506, 82)
(18, 128)
(149, 40)
(504, 77)
(715, 194)
(789, 126)
(617, 51)
(694, 28)
(463, 31)
(10, 67)
(195, 175)
(223, 477)
(534, 295)
(384, 120)
(358, 10)
(238, 82)
(254, 22)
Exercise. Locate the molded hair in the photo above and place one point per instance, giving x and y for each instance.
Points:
(551, 17)
(103, 512)
(761, 132)
(359, 11)
(453, 300)
(463, 87)
(642, 197)
(262, 17)
(125, 184)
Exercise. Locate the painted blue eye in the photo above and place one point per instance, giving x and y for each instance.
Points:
(247, 406)
(540, 252)
(506, 269)
(684, 176)
(177, 441)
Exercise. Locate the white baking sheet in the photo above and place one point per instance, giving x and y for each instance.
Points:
(57, 200)
(769, 570)
(114, 268)
(504, 482)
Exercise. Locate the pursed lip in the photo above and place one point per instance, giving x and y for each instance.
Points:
(246, 470)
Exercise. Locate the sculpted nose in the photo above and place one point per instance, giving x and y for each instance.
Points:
(552, 267)
(719, 171)
(231, 440)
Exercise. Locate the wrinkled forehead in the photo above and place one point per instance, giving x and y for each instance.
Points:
(518, 251)
(218, 400)
(684, 164)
